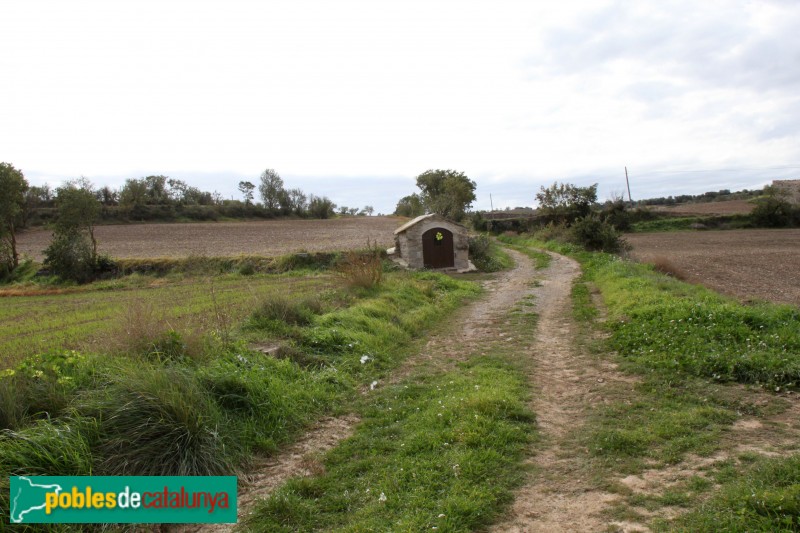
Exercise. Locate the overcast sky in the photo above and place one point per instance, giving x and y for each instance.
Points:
(353, 99)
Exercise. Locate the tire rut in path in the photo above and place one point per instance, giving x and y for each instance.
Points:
(267, 474)
(566, 382)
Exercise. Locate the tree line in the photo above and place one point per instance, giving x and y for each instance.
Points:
(161, 198)
(77, 206)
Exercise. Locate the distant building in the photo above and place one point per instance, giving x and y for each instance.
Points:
(789, 189)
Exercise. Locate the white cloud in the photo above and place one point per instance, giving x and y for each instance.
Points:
(516, 94)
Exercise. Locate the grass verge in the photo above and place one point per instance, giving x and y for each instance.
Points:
(528, 247)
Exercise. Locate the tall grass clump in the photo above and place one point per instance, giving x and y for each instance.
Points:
(362, 268)
(156, 421)
(278, 309)
(45, 448)
(144, 332)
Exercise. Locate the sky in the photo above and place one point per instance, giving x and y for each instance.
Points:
(353, 99)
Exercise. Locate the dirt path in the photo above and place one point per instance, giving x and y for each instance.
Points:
(560, 495)
(477, 322)
(267, 474)
(475, 329)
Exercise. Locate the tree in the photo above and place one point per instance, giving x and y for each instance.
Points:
(773, 211)
(133, 193)
(157, 193)
(35, 198)
(77, 210)
(177, 190)
(107, 196)
(297, 201)
(410, 206)
(368, 210)
(565, 202)
(73, 252)
(271, 188)
(12, 204)
(446, 192)
(320, 207)
(247, 188)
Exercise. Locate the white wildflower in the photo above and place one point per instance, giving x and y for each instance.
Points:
(382, 497)
(364, 359)
(373, 385)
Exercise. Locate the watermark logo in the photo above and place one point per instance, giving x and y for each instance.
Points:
(122, 499)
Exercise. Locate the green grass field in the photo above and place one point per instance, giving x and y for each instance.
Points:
(91, 317)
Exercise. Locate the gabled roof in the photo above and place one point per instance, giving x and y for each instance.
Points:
(421, 218)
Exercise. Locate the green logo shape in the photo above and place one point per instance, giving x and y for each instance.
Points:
(122, 499)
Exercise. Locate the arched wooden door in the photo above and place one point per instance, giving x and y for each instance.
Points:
(437, 248)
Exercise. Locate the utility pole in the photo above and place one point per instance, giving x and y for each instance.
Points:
(491, 214)
(629, 186)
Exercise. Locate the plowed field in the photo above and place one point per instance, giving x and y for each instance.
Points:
(224, 239)
(731, 207)
(747, 264)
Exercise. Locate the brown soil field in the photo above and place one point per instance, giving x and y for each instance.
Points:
(747, 264)
(226, 239)
(732, 207)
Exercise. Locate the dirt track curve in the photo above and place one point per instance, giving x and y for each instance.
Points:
(565, 384)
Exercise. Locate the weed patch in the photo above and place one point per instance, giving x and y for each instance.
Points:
(362, 268)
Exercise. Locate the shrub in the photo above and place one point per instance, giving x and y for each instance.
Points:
(552, 232)
(771, 212)
(105, 267)
(596, 234)
(69, 257)
(485, 255)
